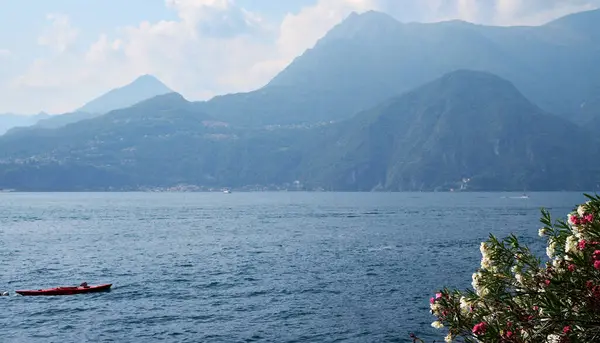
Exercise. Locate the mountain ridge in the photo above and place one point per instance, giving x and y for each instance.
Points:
(142, 88)
(357, 71)
(468, 130)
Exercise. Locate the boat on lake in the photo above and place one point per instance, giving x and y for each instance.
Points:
(69, 290)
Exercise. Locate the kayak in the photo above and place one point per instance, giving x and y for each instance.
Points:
(67, 290)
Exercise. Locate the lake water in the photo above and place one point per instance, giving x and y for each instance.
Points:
(246, 267)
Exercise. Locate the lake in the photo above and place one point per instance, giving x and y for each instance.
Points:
(247, 267)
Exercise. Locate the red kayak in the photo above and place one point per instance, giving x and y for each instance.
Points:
(67, 290)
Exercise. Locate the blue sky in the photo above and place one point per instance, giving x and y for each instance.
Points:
(58, 54)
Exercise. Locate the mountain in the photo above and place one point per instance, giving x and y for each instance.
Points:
(466, 130)
(160, 142)
(142, 88)
(9, 120)
(371, 57)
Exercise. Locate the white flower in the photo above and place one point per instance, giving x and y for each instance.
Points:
(437, 324)
(553, 339)
(476, 279)
(557, 264)
(550, 250)
(465, 307)
(486, 263)
(448, 338)
(435, 307)
(483, 248)
(519, 278)
(542, 232)
(571, 244)
(479, 289)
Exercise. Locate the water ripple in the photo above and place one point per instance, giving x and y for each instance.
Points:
(264, 267)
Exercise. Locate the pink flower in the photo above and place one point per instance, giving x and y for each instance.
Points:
(571, 267)
(596, 255)
(431, 300)
(597, 264)
(547, 282)
(535, 308)
(479, 329)
(567, 329)
(589, 284)
(581, 244)
(588, 218)
(438, 295)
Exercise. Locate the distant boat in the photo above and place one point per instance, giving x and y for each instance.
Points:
(226, 191)
(524, 196)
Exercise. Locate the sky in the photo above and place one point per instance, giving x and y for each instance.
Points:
(57, 55)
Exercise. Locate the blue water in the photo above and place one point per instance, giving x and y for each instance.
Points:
(246, 267)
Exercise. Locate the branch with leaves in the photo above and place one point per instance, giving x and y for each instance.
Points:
(516, 298)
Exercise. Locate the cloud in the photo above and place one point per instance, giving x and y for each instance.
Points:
(491, 12)
(215, 47)
(60, 34)
(536, 12)
(5, 53)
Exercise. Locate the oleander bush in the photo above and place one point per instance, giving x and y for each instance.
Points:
(518, 298)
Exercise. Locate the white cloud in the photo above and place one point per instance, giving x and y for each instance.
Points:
(216, 47)
(536, 12)
(492, 12)
(60, 35)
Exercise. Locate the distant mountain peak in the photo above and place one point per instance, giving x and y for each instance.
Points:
(365, 23)
(476, 85)
(146, 78)
(143, 87)
(369, 15)
(581, 20)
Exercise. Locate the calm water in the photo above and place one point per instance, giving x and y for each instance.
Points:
(246, 267)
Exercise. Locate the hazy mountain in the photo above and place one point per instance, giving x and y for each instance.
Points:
(370, 57)
(466, 129)
(142, 88)
(162, 141)
(10, 120)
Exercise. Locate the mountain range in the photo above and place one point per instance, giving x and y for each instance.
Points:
(370, 57)
(10, 120)
(375, 105)
(142, 88)
(467, 130)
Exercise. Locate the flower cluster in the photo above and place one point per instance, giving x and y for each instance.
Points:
(517, 298)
